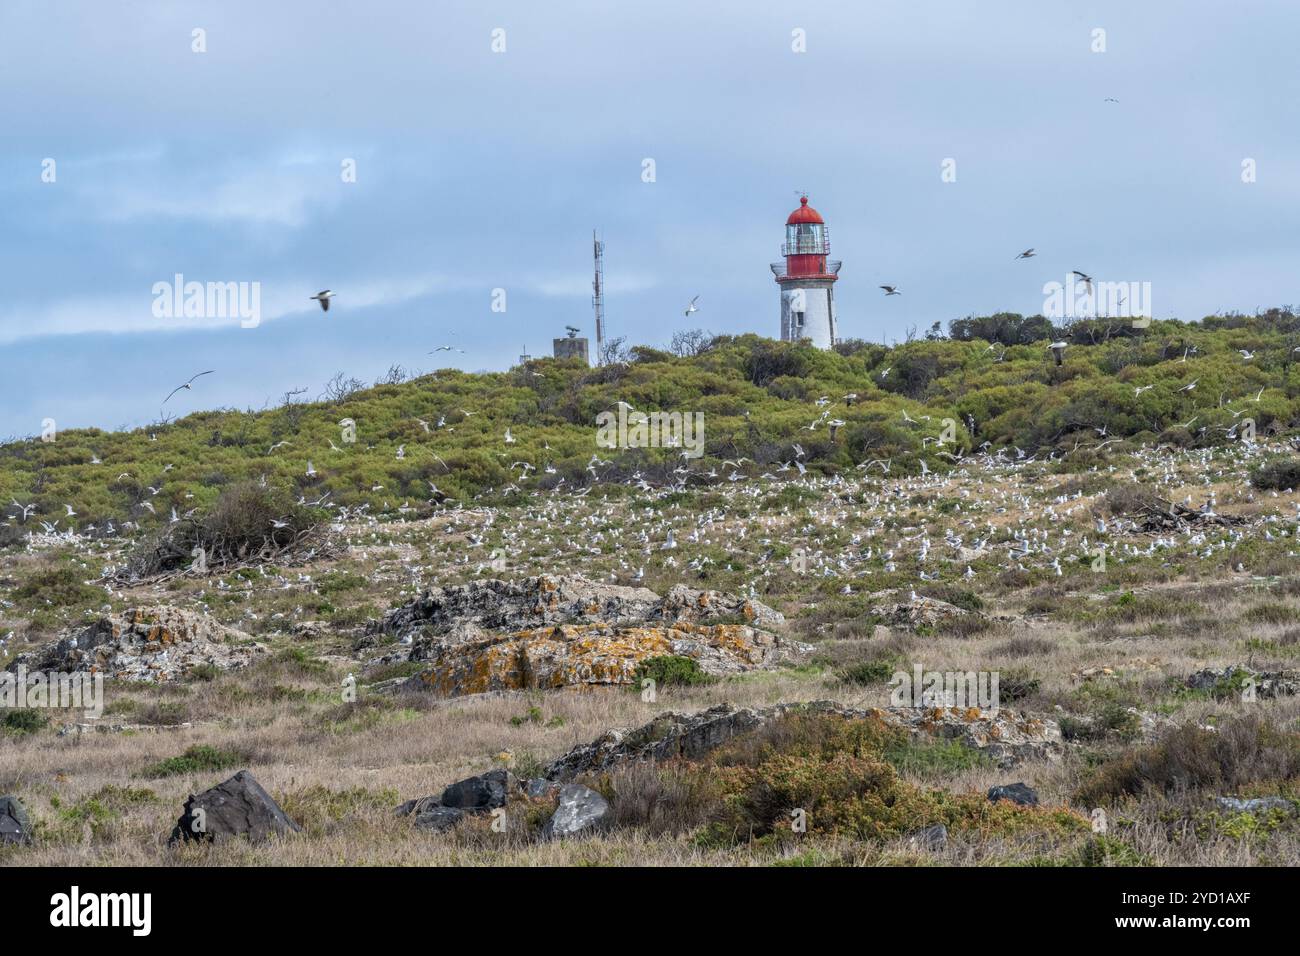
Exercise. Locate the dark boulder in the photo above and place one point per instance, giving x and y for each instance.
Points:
(1017, 793)
(237, 807)
(14, 825)
(479, 794)
(929, 838)
(437, 819)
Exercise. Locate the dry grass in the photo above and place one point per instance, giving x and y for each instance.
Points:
(1089, 644)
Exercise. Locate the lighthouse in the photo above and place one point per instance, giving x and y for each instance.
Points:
(807, 279)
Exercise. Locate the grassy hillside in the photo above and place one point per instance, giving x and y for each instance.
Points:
(758, 397)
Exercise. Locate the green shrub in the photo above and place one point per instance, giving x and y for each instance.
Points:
(196, 759)
(63, 587)
(20, 722)
(670, 670)
(1244, 751)
(1016, 684)
(869, 673)
(1277, 475)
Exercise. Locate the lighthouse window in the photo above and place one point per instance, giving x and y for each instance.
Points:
(805, 238)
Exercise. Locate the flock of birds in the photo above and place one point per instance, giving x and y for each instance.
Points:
(861, 530)
(873, 518)
(1029, 253)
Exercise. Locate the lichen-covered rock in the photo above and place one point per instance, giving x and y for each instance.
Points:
(704, 607)
(1008, 738)
(579, 808)
(1235, 678)
(1256, 804)
(912, 610)
(237, 807)
(592, 654)
(310, 630)
(548, 632)
(668, 735)
(150, 644)
(533, 603)
(497, 605)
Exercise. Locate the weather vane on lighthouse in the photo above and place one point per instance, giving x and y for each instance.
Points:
(807, 279)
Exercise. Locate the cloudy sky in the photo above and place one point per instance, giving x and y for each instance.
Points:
(479, 170)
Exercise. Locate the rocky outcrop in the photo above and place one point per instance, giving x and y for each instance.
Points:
(14, 825)
(237, 807)
(591, 654)
(481, 794)
(557, 632)
(578, 809)
(1006, 737)
(911, 610)
(150, 644)
(498, 605)
(1233, 680)
(1256, 804)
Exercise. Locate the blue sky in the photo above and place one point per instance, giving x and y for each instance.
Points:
(479, 170)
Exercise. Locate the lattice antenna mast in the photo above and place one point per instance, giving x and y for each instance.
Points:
(598, 295)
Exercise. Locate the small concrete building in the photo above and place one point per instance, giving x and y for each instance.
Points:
(571, 347)
(807, 279)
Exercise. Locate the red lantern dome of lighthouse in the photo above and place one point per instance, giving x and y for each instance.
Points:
(807, 244)
(805, 213)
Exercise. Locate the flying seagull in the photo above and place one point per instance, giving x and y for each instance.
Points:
(1085, 279)
(1027, 254)
(323, 297)
(691, 308)
(187, 385)
(891, 290)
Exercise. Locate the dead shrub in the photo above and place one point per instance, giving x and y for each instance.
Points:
(1247, 750)
(249, 522)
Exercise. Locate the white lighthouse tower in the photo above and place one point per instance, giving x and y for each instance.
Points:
(807, 279)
